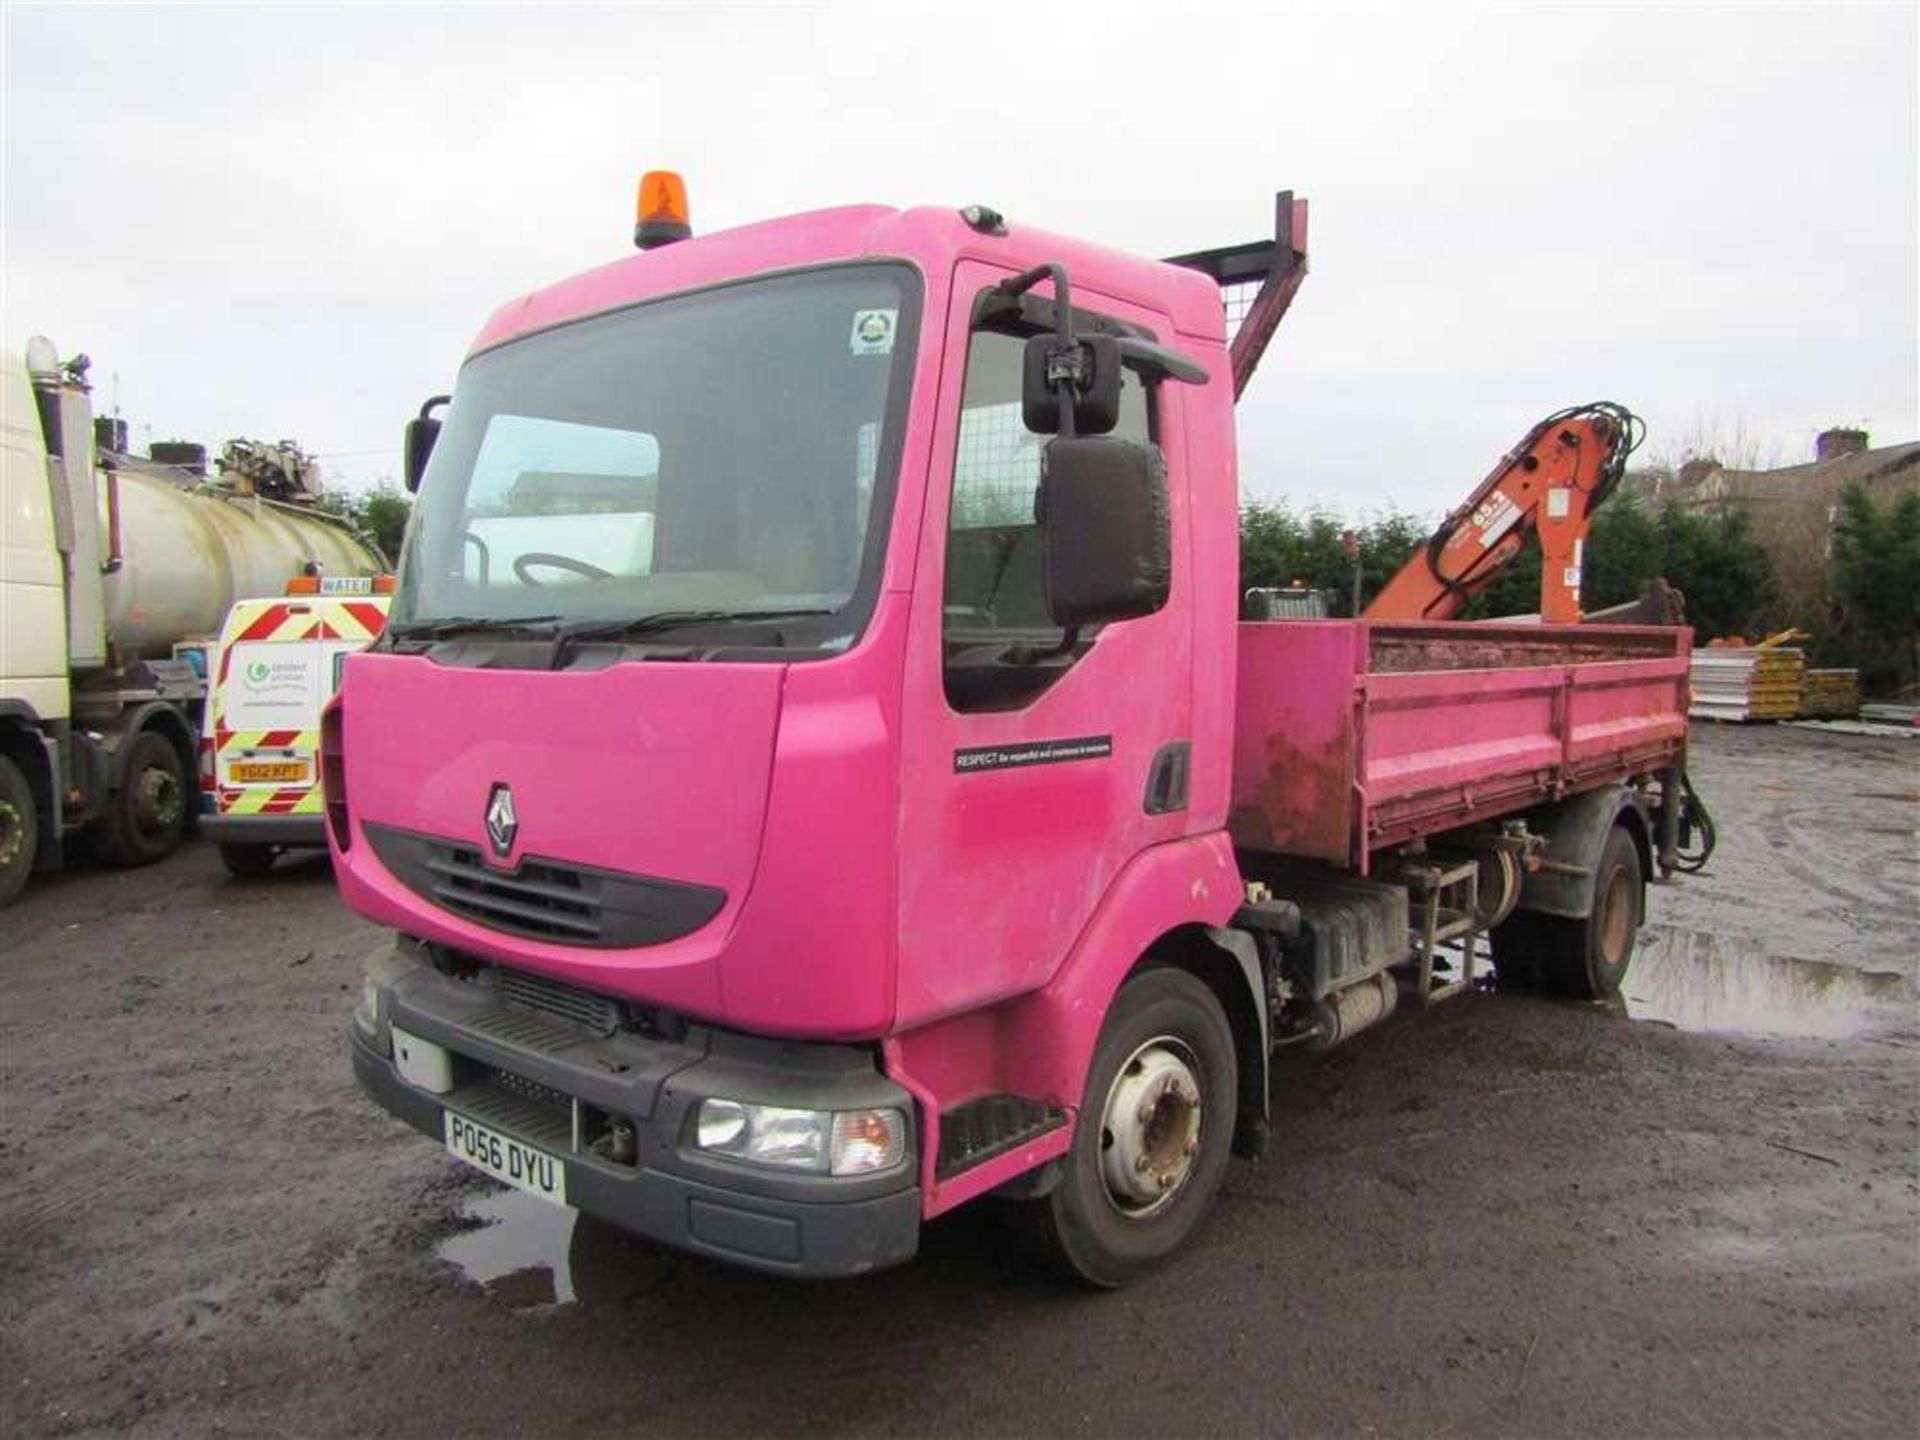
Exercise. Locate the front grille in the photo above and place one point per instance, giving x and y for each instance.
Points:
(543, 898)
(537, 899)
(562, 1002)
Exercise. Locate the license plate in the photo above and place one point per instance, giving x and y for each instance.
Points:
(278, 772)
(505, 1158)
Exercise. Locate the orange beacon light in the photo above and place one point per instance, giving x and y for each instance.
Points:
(660, 211)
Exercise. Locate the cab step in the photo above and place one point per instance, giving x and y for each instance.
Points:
(973, 1133)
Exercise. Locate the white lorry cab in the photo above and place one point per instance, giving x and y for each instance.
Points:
(277, 663)
(115, 571)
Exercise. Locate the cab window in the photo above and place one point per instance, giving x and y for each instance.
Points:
(543, 486)
(1001, 649)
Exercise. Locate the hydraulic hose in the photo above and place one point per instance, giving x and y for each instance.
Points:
(1693, 815)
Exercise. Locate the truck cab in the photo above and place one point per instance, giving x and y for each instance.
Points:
(810, 810)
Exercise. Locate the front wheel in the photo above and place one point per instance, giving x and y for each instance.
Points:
(1154, 1131)
(19, 830)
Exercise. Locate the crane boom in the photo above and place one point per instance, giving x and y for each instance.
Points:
(1549, 484)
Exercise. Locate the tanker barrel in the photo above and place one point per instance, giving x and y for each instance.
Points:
(190, 553)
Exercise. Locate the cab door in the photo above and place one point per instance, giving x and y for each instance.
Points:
(1026, 768)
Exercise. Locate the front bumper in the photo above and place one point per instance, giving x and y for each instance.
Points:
(799, 1224)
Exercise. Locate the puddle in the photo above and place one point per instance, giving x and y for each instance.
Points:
(528, 1254)
(1692, 981)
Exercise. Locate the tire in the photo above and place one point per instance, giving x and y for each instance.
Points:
(147, 814)
(248, 862)
(1581, 958)
(19, 831)
(1589, 957)
(1520, 946)
(1164, 1067)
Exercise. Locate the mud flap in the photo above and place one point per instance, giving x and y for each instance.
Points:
(1575, 831)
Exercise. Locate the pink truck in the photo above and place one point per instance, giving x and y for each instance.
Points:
(819, 775)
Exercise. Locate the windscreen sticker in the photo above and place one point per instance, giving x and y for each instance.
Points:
(1038, 752)
(873, 331)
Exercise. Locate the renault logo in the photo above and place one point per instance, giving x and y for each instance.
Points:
(502, 823)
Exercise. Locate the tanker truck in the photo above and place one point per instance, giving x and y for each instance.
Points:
(115, 573)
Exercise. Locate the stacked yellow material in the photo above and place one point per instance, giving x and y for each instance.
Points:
(1830, 694)
(1747, 684)
(1774, 690)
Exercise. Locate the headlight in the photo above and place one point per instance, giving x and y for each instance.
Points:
(723, 1125)
(845, 1142)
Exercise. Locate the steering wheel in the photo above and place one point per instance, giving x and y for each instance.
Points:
(486, 558)
(523, 564)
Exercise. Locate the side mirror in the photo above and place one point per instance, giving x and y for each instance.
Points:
(1091, 363)
(1106, 538)
(422, 431)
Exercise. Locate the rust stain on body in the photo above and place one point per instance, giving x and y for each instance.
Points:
(1303, 805)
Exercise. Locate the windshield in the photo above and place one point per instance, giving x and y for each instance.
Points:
(720, 457)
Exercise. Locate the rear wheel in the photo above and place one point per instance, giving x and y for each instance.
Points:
(145, 816)
(1585, 958)
(1590, 956)
(1520, 946)
(248, 862)
(19, 830)
(1151, 1146)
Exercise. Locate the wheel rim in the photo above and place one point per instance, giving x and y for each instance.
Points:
(1616, 922)
(156, 800)
(13, 833)
(1150, 1127)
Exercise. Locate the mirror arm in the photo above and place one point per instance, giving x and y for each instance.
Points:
(1062, 301)
(1062, 370)
(1159, 362)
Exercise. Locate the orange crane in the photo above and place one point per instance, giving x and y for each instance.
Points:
(1549, 485)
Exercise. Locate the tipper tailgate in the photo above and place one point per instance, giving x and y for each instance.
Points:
(1354, 735)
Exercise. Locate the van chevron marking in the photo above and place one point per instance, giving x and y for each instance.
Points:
(975, 758)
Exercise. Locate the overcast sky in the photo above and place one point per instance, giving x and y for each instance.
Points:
(290, 221)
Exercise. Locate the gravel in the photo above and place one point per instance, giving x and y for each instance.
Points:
(1506, 1216)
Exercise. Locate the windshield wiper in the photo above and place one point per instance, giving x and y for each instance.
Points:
(467, 624)
(574, 633)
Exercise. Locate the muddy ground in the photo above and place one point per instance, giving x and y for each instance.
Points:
(1508, 1216)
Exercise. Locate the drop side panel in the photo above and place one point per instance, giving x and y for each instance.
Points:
(1356, 735)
